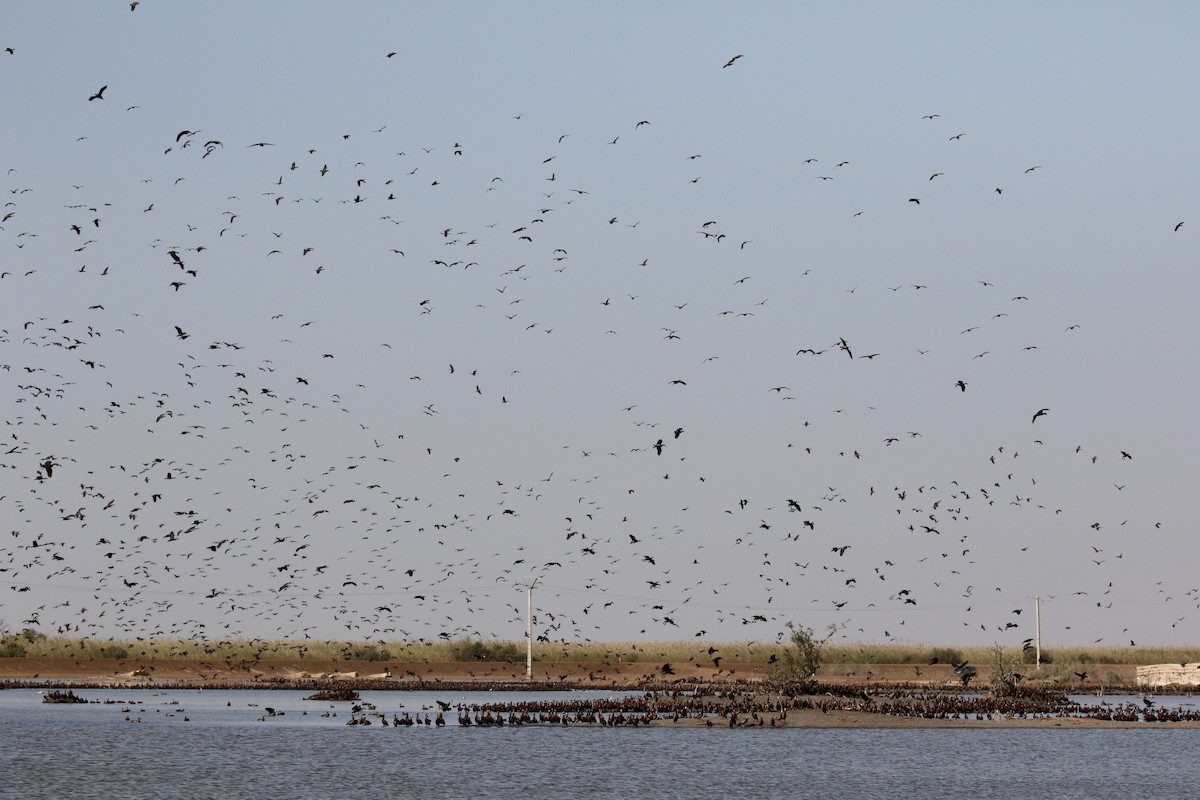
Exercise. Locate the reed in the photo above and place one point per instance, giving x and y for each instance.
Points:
(441, 651)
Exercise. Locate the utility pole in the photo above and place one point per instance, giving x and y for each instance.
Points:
(1037, 629)
(529, 583)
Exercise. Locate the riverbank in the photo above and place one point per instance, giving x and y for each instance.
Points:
(134, 671)
(372, 700)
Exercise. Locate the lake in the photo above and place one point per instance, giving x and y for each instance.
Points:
(223, 744)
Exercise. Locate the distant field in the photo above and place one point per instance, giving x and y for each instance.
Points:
(730, 653)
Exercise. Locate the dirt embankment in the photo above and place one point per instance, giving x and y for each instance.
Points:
(134, 671)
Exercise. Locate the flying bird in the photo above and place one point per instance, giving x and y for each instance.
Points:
(99, 95)
(729, 63)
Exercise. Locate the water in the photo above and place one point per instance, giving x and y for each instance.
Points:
(223, 750)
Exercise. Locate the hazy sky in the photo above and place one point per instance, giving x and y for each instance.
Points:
(340, 322)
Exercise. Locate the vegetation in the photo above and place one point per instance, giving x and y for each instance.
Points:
(1030, 656)
(113, 651)
(476, 650)
(10, 648)
(17, 646)
(1005, 675)
(794, 672)
(834, 656)
(945, 655)
(367, 652)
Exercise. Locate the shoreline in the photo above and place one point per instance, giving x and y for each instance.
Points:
(840, 701)
(67, 672)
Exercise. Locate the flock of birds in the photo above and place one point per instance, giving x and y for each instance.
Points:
(286, 389)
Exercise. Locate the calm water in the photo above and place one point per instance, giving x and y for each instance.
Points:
(223, 750)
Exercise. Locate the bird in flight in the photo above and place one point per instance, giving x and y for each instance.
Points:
(1041, 413)
(729, 63)
(99, 95)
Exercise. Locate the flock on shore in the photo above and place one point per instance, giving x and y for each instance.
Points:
(723, 709)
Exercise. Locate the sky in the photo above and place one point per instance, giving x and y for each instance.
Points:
(346, 323)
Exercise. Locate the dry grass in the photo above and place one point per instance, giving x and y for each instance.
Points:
(1060, 658)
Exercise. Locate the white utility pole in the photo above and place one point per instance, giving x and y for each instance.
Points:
(1037, 628)
(529, 583)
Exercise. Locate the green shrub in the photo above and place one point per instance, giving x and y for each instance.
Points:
(475, 650)
(1030, 657)
(946, 655)
(11, 649)
(796, 671)
(875, 655)
(368, 653)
